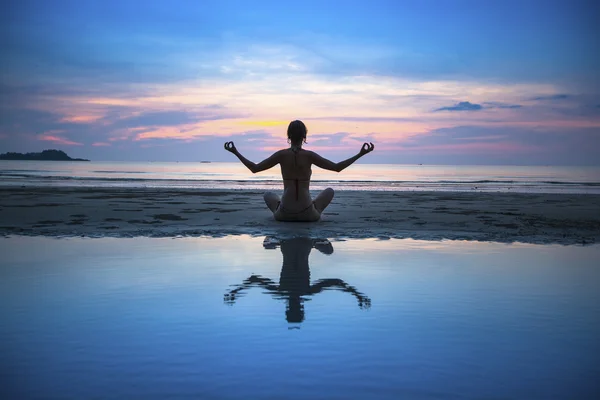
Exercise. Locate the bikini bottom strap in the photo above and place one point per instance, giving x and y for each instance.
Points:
(279, 206)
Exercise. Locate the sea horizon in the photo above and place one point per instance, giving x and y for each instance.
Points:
(363, 176)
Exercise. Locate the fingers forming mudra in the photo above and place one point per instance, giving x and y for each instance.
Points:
(229, 146)
(367, 148)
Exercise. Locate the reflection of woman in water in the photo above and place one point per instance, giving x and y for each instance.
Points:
(296, 203)
(294, 282)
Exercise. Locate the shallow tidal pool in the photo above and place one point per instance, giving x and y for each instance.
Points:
(304, 318)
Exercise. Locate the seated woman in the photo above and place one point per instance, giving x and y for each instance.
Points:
(296, 203)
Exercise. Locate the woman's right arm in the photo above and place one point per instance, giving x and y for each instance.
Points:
(254, 168)
(324, 163)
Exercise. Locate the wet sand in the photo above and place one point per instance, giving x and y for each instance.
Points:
(502, 217)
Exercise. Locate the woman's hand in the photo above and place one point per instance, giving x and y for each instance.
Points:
(366, 148)
(229, 146)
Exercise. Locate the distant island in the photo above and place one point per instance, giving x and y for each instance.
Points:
(46, 155)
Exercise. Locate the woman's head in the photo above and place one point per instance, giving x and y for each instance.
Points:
(296, 132)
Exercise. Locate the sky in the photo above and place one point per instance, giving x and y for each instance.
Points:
(435, 82)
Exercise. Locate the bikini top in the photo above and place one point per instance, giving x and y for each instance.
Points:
(295, 150)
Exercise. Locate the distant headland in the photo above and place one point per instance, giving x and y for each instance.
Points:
(46, 155)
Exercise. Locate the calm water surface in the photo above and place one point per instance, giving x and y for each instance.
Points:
(219, 175)
(256, 318)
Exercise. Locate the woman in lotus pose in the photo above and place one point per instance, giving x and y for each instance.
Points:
(296, 203)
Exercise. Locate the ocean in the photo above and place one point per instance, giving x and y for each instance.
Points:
(218, 175)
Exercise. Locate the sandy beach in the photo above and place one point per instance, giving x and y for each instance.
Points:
(502, 217)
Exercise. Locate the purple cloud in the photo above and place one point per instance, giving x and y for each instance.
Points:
(493, 104)
(552, 97)
(462, 106)
(468, 106)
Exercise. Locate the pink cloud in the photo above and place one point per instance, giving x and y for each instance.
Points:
(81, 119)
(58, 140)
(314, 148)
(100, 144)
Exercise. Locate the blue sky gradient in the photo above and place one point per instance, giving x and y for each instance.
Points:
(428, 81)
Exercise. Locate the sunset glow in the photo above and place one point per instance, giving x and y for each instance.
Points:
(451, 90)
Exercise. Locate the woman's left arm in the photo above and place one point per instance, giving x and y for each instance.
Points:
(270, 162)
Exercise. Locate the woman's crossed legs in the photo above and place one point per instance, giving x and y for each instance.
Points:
(312, 213)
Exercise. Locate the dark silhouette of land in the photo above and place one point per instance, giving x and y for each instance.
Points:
(46, 155)
(294, 282)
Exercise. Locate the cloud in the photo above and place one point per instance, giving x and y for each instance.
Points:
(487, 105)
(552, 97)
(58, 140)
(385, 108)
(363, 119)
(458, 135)
(100, 144)
(493, 104)
(164, 118)
(518, 146)
(162, 43)
(264, 123)
(330, 139)
(462, 106)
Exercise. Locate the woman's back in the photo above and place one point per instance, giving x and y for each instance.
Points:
(296, 172)
(296, 164)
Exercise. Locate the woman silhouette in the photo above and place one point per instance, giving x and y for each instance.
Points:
(296, 203)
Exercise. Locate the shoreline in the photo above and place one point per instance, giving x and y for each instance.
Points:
(483, 216)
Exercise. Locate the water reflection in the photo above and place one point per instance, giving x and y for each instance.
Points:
(294, 281)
